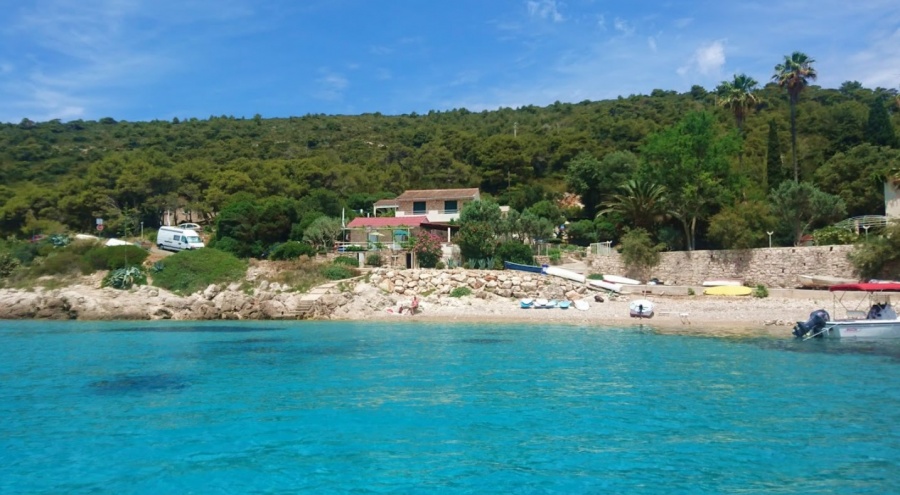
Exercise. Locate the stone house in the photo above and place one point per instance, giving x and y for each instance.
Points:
(438, 205)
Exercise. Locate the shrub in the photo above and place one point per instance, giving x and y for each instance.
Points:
(427, 247)
(373, 259)
(8, 264)
(187, 272)
(638, 251)
(113, 257)
(292, 250)
(336, 272)
(595, 276)
(760, 291)
(125, 278)
(834, 235)
(555, 255)
(58, 263)
(515, 252)
(460, 292)
(691, 291)
(879, 255)
(347, 261)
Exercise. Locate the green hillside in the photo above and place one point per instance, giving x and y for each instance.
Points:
(717, 184)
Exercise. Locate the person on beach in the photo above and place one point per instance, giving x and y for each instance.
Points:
(413, 307)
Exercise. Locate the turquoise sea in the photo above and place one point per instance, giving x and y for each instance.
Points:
(382, 407)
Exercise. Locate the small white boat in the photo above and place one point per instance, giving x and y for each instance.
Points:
(581, 305)
(540, 303)
(603, 284)
(526, 303)
(722, 283)
(621, 280)
(880, 322)
(822, 281)
(563, 273)
(551, 304)
(640, 308)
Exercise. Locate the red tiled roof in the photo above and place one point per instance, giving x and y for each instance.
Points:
(378, 222)
(424, 194)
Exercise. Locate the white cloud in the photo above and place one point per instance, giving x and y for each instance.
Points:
(622, 26)
(683, 22)
(878, 65)
(331, 85)
(601, 22)
(708, 59)
(651, 42)
(545, 9)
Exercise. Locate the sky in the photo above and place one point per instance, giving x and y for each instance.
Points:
(140, 60)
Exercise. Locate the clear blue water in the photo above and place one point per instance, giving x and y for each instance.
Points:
(336, 407)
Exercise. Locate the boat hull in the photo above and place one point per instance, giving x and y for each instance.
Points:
(603, 284)
(522, 268)
(566, 274)
(728, 290)
(640, 308)
(615, 279)
(863, 329)
(822, 281)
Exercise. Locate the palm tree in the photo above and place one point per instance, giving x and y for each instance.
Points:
(641, 202)
(794, 74)
(738, 95)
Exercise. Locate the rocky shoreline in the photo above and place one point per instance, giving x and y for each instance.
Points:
(493, 297)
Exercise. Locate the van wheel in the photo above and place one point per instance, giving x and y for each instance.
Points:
(160, 247)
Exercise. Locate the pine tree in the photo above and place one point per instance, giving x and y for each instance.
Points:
(879, 130)
(774, 168)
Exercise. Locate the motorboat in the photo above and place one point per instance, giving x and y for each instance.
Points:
(640, 308)
(526, 303)
(541, 303)
(878, 320)
(564, 304)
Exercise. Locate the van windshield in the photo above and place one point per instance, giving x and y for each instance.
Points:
(192, 239)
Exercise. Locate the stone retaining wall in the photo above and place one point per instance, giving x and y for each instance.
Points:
(505, 283)
(771, 267)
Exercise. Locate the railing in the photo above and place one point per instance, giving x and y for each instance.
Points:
(418, 213)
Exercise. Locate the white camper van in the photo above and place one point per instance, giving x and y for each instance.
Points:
(176, 239)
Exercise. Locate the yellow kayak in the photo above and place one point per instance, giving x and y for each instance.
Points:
(728, 290)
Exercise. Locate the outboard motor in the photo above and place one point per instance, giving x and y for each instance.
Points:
(815, 323)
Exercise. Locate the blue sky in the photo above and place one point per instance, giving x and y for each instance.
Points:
(158, 59)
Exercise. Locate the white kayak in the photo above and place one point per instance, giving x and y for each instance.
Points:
(563, 273)
(581, 305)
(603, 284)
(621, 280)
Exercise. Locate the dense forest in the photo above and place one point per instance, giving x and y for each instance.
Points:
(697, 169)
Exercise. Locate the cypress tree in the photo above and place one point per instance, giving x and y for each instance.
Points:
(879, 130)
(774, 168)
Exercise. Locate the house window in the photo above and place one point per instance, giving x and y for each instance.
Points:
(450, 207)
(419, 208)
